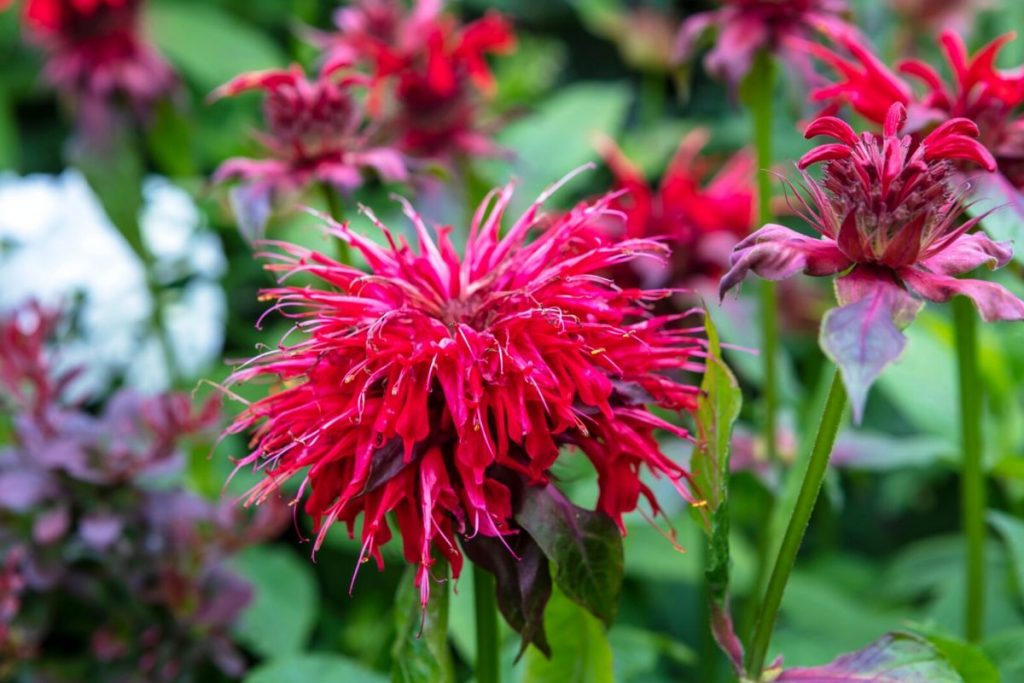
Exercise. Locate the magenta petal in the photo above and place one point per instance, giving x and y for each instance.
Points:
(893, 658)
(775, 253)
(864, 281)
(969, 252)
(862, 337)
(994, 302)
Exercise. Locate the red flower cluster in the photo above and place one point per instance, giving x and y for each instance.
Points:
(979, 92)
(440, 387)
(424, 66)
(746, 27)
(701, 218)
(98, 57)
(316, 132)
(888, 210)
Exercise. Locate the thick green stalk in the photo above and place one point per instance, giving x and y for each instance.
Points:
(334, 210)
(486, 610)
(973, 474)
(760, 99)
(828, 428)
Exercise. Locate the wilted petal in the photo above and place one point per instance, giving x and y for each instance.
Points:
(893, 658)
(969, 252)
(251, 205)
(775, 253)
(994, 302)
(862, 338)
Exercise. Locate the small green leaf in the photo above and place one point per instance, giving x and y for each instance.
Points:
(314, 667)
(581, 653)
(283, 612)
(969, 660)
(584, 548)
(209, 45)
(421, 653)
(1005, 652)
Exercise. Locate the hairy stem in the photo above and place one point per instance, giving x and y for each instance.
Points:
(828, 428)
(972, 480)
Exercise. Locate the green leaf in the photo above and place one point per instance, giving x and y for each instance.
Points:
(1005, 652)
(992, 192)
(314, 667)
(893, 658)
(1012, 531)
(581, 652)
(584, 548)
(283, 612)
(209, 45)
(169, 140)
(558, 137)
(968, 660)
(421, 653)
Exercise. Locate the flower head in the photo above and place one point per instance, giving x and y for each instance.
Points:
(427, 65)
(316, 132)
(746, 27)
(441, 388)
(979, 91)
(98, 57)
(889, 210)
(701, 218)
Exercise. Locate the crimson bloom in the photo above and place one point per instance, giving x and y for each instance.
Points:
(701, 218)
(979, 91)
(888, 210)
(746, 27)
(316, 132)
(427, 65)
(98, 57)
(441, 388)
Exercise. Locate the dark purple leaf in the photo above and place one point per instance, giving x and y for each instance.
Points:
(584, 547)
(524, 582)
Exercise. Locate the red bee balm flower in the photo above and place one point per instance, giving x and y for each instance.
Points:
(702, 222)
(97, 56)
(748, 26)
(432, 62)
(315, 132)
(888, 210)
(980, 92)
(442, 388)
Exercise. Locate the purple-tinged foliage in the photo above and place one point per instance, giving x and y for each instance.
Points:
(91, 522)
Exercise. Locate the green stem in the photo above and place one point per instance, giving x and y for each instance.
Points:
(761, 89)
(335, 211)
(973, 476)
(487, 654)
(828, 428)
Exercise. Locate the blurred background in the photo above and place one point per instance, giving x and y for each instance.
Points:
(124, 554)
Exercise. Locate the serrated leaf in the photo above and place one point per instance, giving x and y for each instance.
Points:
(283, 612)
(584, 548)
(313, 667)
(207, 44)
(420, 653)
(580, 650)
(893, 658)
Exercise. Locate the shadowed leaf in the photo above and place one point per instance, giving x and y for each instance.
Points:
(581, 652)
(421, 653)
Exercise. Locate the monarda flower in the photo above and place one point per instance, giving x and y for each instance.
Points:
(989, 97)
(746, 27)
(889, 211)
(441, 388)
(701, 218)
(316, 132)
(425, 67)
(98, 57)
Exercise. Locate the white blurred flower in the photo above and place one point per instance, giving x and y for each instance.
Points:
(59, 247)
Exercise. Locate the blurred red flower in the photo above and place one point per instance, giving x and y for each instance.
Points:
(888, 209)
(427, 65)
(746, 27)
(441, 388)
(98, 57)
(701, 216)
(316, 132)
